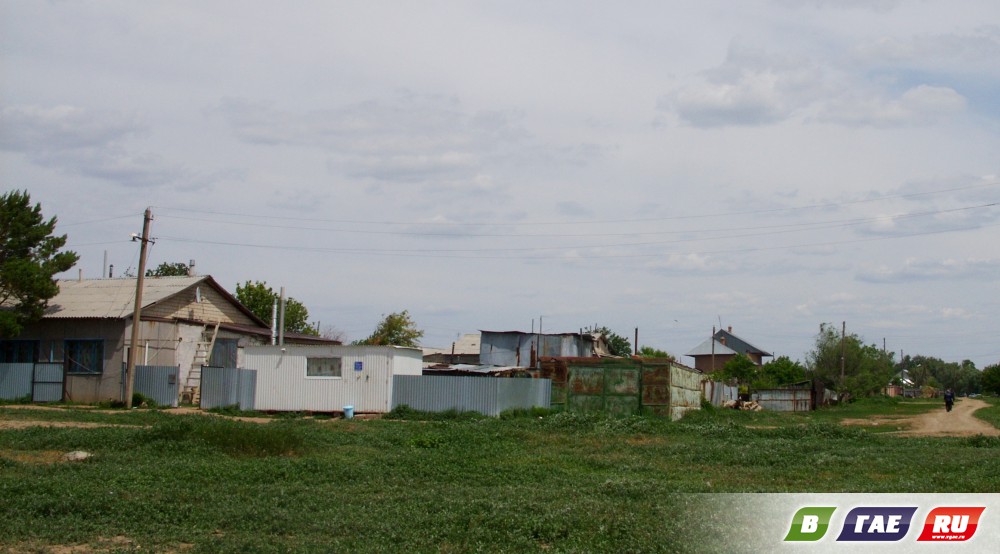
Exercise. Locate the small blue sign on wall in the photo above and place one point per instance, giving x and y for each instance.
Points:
(358, 366)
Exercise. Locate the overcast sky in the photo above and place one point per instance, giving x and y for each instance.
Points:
(671, 166)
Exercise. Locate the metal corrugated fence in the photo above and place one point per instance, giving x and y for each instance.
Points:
(228, 386)
(47, 383)
(15, 380)
(784, 400)
(489, 396)
(160, 383)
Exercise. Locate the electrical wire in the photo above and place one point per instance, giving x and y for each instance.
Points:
(590, 222)
(787, 226)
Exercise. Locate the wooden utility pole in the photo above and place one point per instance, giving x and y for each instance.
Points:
(843, 350)
(137, 311)
(713, 347)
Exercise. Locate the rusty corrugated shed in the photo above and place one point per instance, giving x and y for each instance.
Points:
(518, 348)
(622, 386)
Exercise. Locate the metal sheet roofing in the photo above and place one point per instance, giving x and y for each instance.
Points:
(113, 298)
(705, 349)
(466, 344)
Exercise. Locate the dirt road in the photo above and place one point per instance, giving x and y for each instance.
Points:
(958, 423)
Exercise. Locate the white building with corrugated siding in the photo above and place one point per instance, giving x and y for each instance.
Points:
(328, 378)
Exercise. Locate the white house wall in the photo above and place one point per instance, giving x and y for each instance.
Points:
(187, 339)
(365, 382)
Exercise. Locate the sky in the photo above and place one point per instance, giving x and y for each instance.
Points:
(512, 165)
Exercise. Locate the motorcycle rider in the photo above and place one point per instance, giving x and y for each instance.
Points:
(949, 399)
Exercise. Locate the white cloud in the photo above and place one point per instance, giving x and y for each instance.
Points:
(952, 52)
(926, 270)
(403, 139)
(84, 142)
(750, 88)
(63, 127)
(880, 6)
(920, 105)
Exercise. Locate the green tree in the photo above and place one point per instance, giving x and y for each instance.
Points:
(29, 258)
(778, 372)
(741, 368)
(866, 368)
(650, 352)
(617, 344)
(396, 329)
(176, 269)
(991, 378)
(260, 298)
(931, 371)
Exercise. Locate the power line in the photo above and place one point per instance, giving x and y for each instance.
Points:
(440, 253)
(787, 227)
(585, 222)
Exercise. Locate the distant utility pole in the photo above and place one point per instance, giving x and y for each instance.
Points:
(712, 338)
(843, 350)
(137, 310)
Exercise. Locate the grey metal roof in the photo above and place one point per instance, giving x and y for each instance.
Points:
(705, 349)
(739, 344)
(113, 298)
(466, 344)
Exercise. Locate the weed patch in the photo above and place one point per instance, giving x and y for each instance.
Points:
(406, 413)
(982, 441)
(233, 437)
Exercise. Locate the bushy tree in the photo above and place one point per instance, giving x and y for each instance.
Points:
(991, 378)
(741, 368)
(259, 299)
(935, 372)
(396, 329)
(650, 352)
(780, 371)
(29, 258)
(176, 269)
(867, 369)
(617, 344)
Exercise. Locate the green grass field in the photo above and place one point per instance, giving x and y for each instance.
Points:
(552, 483)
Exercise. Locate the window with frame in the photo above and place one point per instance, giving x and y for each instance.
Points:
(323, 367)
(18, 351)
(84, 356)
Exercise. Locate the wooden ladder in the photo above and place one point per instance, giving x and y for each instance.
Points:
(202, 357)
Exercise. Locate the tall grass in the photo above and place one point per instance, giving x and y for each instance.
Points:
(562, 482)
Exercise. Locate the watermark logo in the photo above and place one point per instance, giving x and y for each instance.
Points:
(810, 523)
(946, 524)
(884, 524)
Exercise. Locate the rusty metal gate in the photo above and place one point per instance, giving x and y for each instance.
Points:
(784, 400)
(616, 387)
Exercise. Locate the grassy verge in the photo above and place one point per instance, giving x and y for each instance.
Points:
(991, 414)
(529, 483)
